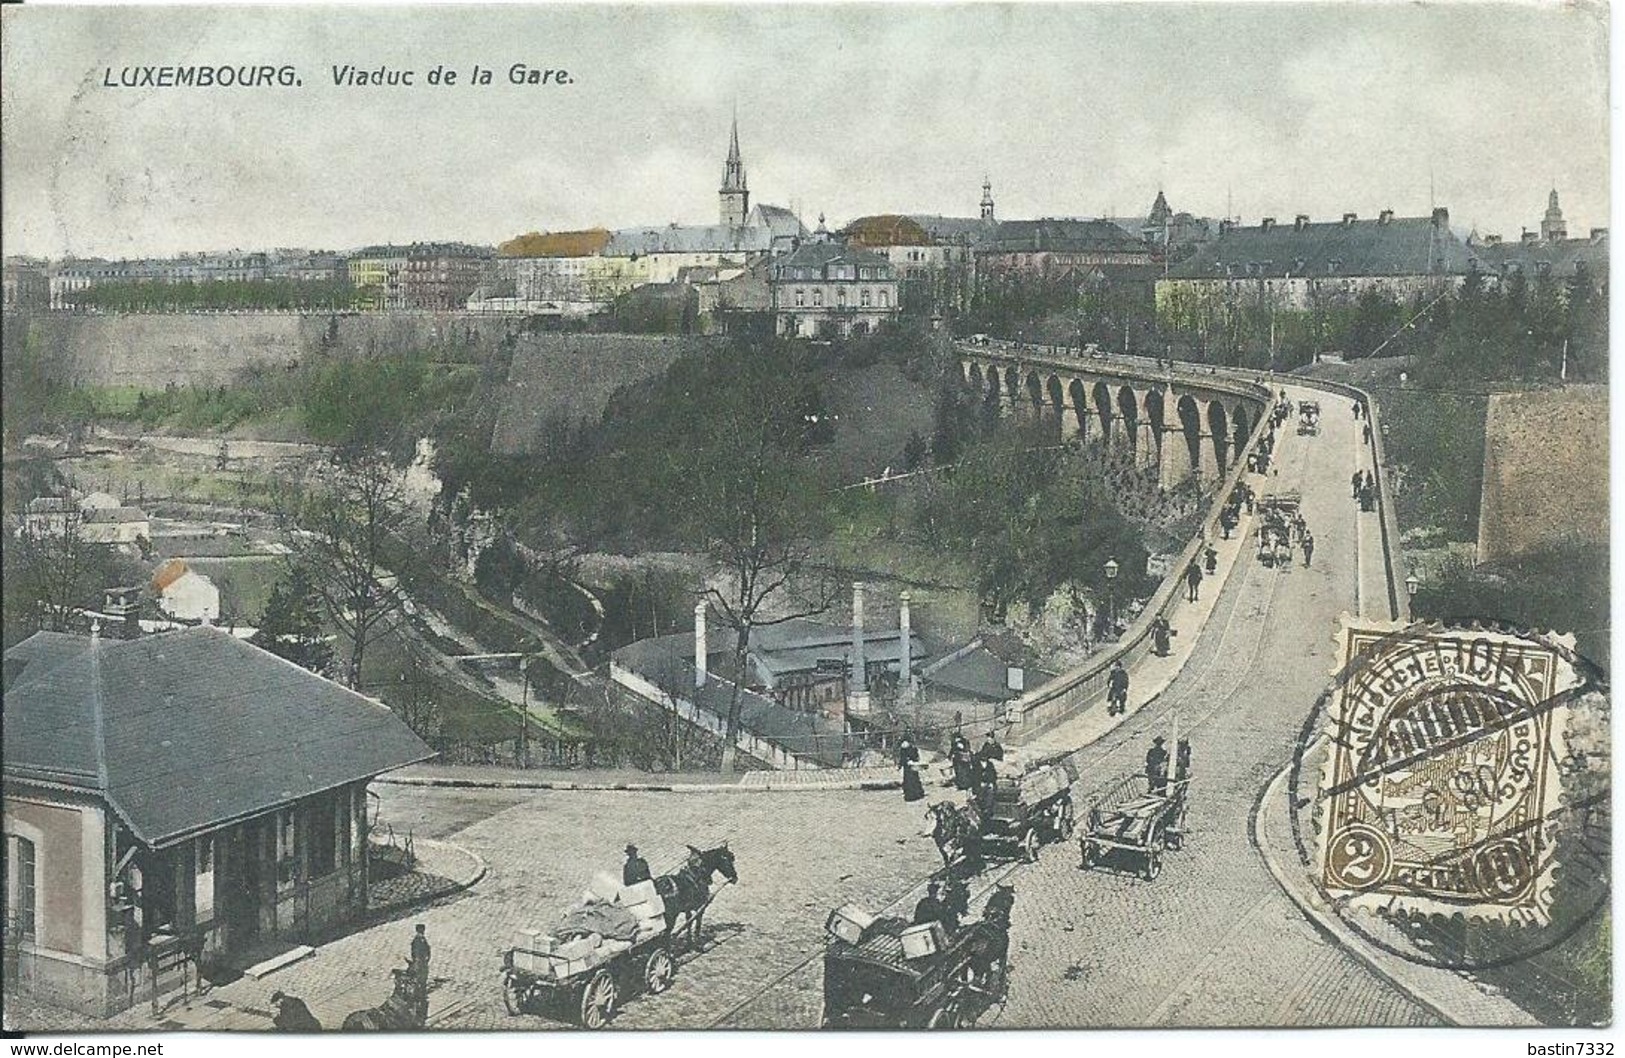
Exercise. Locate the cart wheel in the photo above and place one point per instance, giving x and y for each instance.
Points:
(1091, 854)
(598, 1000)
(1153, 862)
(659, 970)
(945, 1018)
(1029, 845)
(513, 995)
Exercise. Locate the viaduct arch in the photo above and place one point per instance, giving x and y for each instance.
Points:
(1184, 423)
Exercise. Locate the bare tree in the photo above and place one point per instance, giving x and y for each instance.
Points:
(51, 573)
(346, 523)
(755, 507)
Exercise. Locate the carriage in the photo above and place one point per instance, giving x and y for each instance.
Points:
(1132, 823)
(1279, 516)
(1018, 815)
(1308, 416)
(406, 1007)
(886, 973)
(619, 941)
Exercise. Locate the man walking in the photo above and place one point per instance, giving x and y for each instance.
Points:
(420, 959)
(1117, 689)
(1356, 481)
(1308, 547)
(1193, 578)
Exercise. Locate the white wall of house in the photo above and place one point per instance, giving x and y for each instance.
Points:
(191, 597)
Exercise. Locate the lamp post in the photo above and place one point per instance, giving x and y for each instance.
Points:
(524, 712)
(1412, 583)
(1111, 596)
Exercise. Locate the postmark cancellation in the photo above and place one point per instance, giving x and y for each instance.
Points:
(1441, 781)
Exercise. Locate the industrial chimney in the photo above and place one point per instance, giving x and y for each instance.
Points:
(905, 670)
(857, 695)
(699, 644)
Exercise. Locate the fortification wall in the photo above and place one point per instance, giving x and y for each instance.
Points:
(1545, 471)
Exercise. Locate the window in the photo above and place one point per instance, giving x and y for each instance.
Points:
(885, 299)
(20, 885)
(801, 298)
(818, 296)
(323, 835)
(865, 297)
(840, 296)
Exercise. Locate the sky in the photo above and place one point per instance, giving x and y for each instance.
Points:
(1077, 109)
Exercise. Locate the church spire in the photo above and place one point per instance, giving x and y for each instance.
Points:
(987, 198)
(734, 196)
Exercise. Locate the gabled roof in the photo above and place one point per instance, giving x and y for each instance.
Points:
(168, 573)
(821, 252)
(953, 230)
(1387, 246)
(776, 219)
(186, 731)
(584, 243)
(1061, 235)
(688, 238)
(886, 229)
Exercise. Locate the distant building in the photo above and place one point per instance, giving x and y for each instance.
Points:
(27, 284)
(1549, 253)
(933, 267)
(50, 516)
(439, 277)
(1294, 266)
(828, 289)
(114, 525)
(1059, 249)
(177, 796)
(378, 274)
(185, 594)
(733, 197)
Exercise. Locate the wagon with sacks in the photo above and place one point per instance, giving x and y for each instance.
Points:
(616, 941)
(884, 973)
(1133, 823)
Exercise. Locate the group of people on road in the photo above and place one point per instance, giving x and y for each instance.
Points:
(1156, 764)
(1364, 484)
(972, 770)
(1117, 689)
(945, 905)
(1242, 496)
(1282, 529)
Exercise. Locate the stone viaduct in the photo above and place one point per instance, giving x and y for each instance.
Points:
(1182, 421)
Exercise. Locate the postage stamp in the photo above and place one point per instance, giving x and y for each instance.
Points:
(1442, 778)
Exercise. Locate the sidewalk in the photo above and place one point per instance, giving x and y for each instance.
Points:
(759, 781)
(1455, 996)
(1152, 675)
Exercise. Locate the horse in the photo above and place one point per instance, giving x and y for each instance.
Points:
(687, 891)
(406, 1008)
(957, 830)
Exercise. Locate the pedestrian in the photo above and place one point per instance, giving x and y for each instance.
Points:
(908, 757)
(420, 958)
(959, 754)
(991, 750)
(1248, 495)
(1117, 689)
(1182, 760)
(1156, 766)
(636, 868)
(1356, 481)
(1365, 433)
(1193, 579)
(1210, 560)
(1161, 631)
(1308, 547)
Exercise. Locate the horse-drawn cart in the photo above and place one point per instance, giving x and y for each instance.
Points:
(1280, 519)
(886, 973)
(1135, 823)
(618, 941)
(1029, 810)
(1309, 417)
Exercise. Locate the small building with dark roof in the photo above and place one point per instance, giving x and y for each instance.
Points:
(176, 798)
(1059, 248)
(825, 288)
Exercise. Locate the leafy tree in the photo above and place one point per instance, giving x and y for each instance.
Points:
(291, 626)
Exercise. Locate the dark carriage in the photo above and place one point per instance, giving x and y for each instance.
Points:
(1028, 811)
(583, 981)
(1309, 417)
(1279, 517)
(1132, 824)
(886, 974)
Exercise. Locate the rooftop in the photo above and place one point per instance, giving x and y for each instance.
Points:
(1384, 246)
(186, 731)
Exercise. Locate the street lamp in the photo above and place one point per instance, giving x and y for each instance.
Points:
(1412, 582)
(1111, 596)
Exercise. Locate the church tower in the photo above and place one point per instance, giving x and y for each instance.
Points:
(1552, 226)
(987, 199)
(734, 196)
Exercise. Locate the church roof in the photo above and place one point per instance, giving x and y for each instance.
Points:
(1064, 235)
(688, 238)
(583, 243)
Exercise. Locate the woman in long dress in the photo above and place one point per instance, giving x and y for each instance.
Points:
(908, 755)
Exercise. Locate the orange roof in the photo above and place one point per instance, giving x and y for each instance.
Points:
(168, 573)
(886, 229)
(556, 244)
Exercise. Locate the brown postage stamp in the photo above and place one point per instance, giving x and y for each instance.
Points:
(1441, 783)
